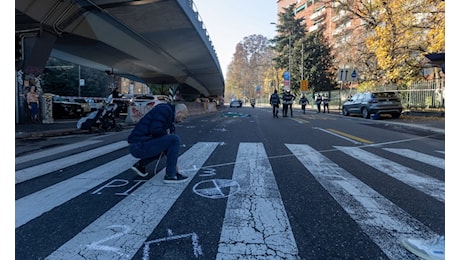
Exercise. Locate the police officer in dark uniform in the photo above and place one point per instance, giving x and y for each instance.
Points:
(303, 102)
(319, 99)
(275, 102)
(325, 103)
(288, 99)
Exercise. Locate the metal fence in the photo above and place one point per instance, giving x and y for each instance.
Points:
(422, 96)
(426, 95)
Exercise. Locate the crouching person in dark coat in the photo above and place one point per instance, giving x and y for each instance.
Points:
(154, 136)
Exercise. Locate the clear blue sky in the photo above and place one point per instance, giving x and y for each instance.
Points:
(229, 21)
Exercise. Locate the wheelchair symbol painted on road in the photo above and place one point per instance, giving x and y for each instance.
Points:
(216, 188)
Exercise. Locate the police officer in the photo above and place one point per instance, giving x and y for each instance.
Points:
(253, 102)
(325, 103)
(288, 99)
(318, 102)
(275, 102)
(303, 102)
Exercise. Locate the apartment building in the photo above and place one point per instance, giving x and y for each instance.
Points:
(345, 32)
(340, 28)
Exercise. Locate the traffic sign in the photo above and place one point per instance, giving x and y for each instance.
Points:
(354, 75)
(287, 83)
(287, 75)
(346, 74)
(304, 85)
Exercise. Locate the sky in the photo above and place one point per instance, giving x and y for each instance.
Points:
(229, 21)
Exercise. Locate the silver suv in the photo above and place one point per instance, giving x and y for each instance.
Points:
(377, 103)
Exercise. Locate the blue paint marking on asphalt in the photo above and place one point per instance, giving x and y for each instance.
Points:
(235, 114)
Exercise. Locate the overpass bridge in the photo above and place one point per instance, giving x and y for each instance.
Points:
(151, 41)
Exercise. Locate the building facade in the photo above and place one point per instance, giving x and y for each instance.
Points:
(341, 29)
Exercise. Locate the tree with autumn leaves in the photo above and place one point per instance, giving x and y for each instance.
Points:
(395, 36)
(250, 66)
(388, 46)
(258, 61)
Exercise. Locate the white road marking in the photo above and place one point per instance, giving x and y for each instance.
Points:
(34, 205)
(421, 157)
(45, 168)
(255, 222)
(426, 184)
(384, 222)
(53, 151)
(137, 215)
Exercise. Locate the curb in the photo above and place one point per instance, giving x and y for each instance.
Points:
(69, 131)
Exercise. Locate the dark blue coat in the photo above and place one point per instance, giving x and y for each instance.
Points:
(154, 124)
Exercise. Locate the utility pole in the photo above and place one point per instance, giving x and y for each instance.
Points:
(290, 35)
(79, 82)
(301, 68)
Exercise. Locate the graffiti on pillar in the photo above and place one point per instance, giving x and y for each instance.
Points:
(19, 77)
(47, 109)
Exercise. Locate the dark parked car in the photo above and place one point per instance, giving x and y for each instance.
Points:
(236, 103)
(123, 104)
(63, 108)
(378, 103)
(85, 106)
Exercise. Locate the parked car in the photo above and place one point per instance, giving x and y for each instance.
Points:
(64, 108)
(143, 103)
(86, 108)
(94, 104)
(123, 104)
(378, 103)
(236, 103)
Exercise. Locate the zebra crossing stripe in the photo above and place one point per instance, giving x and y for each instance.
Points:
(421, 157)
(255, 220)
(383, 221)
(428, 185)
(34, 205)
(121, 231)
(45, 168)
(54, 151)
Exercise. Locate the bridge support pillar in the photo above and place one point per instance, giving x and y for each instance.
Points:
(36, 49)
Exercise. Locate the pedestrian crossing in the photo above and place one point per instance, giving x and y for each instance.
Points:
(255, 225)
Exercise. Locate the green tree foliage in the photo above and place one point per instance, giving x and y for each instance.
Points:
(61, 78)
(251, 59)
(315, 62)
(290, 30)
(306, 55)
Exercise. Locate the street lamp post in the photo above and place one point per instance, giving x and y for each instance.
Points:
(289, 65)
(79, 82)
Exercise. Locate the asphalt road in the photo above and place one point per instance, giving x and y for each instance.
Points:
(313, 186)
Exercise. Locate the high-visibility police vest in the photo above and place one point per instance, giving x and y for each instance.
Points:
(303, 101)
(288, 98)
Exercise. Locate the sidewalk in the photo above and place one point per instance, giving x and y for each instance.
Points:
(60, 127)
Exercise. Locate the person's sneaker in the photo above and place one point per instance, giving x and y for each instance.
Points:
(140, 170)
(426, 249)
(177, 179)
